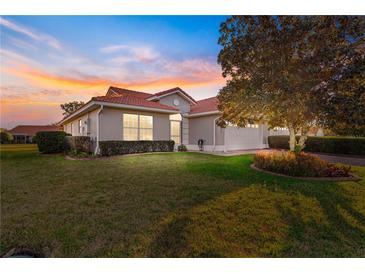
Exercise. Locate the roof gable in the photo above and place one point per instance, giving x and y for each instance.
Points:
(114, 91)
(164, 93)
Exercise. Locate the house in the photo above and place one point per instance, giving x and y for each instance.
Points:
(172, 114)
(25, 133)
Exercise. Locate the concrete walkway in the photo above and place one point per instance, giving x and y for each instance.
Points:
(342, 159)
(233, 152)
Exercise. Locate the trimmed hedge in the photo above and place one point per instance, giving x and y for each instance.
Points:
(336, 145)
(108, 148)
(50, 141)
(78, 143)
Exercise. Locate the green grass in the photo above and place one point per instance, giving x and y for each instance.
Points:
(173, 205)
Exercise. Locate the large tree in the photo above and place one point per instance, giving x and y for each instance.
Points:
(70, 107)
(286, 70)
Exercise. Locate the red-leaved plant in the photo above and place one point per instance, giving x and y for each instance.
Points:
(298, 164)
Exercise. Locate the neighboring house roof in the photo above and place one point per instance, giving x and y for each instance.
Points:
(132, 100)
(205, 105)
(31, 130)
(114, 91)
(172, 90)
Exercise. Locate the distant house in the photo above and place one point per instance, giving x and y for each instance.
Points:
(25, 133)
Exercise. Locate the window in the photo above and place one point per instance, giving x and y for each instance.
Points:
(80, 126)
(145, 127)
(137, 127)
(175, 131)
(71, 129)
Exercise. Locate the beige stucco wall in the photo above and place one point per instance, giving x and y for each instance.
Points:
(203, 128)
(92, 131)
(111, 124)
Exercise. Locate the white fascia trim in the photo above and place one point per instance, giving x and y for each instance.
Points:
(167, 94)
(203, 113)
(116, 93)
(107, 104)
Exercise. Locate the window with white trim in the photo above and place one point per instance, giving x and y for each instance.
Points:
(137, 127)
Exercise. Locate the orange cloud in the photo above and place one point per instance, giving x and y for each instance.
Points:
(45, 79)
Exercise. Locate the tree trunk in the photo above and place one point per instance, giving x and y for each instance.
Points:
(303, 138)
(292, 141)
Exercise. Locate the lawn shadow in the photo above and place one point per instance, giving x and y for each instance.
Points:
(349, 238)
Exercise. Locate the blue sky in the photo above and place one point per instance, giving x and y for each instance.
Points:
(48, 60)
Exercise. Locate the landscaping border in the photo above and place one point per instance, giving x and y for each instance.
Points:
(353, 177)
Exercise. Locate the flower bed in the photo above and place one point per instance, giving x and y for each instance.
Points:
(298, 165)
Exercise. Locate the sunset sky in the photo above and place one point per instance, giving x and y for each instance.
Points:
(49, 60)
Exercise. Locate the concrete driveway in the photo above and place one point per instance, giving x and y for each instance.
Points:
(342, 159)
(347, 160)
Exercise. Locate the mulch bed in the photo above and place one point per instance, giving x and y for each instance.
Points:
(353, 177)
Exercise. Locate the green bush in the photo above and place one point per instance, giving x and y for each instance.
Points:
(50, 141)
(108, 148)
(336, 145)
(182, 148)
(78, 143)
(298, 164)
(6, 138)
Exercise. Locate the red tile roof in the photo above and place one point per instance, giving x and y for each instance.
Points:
(31, 130)
(173, 90)
(123, 91)
(206, 105)
(133, 101)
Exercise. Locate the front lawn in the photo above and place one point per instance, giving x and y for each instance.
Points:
(174, 205)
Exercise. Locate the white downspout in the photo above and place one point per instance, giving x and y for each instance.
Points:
(98, 129)
(214, 126)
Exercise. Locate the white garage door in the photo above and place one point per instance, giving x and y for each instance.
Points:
(244, 138)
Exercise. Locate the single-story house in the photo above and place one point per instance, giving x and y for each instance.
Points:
(25, 133)
(172, 114)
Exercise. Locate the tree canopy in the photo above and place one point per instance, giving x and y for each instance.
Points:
(292, 71)
(70, 107)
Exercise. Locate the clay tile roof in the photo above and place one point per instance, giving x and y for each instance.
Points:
(31, 130)
(123, 91)
(173, 90)
(133, 101)
(209, 104)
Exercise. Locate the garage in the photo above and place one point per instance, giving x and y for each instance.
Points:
(250, 137)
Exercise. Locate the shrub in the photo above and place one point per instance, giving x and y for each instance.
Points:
(298, 164)
(78, 143)
(337, 145)
(6, 138)
(182, 148)
(79, 154)
(108, 148)
(50, 141)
